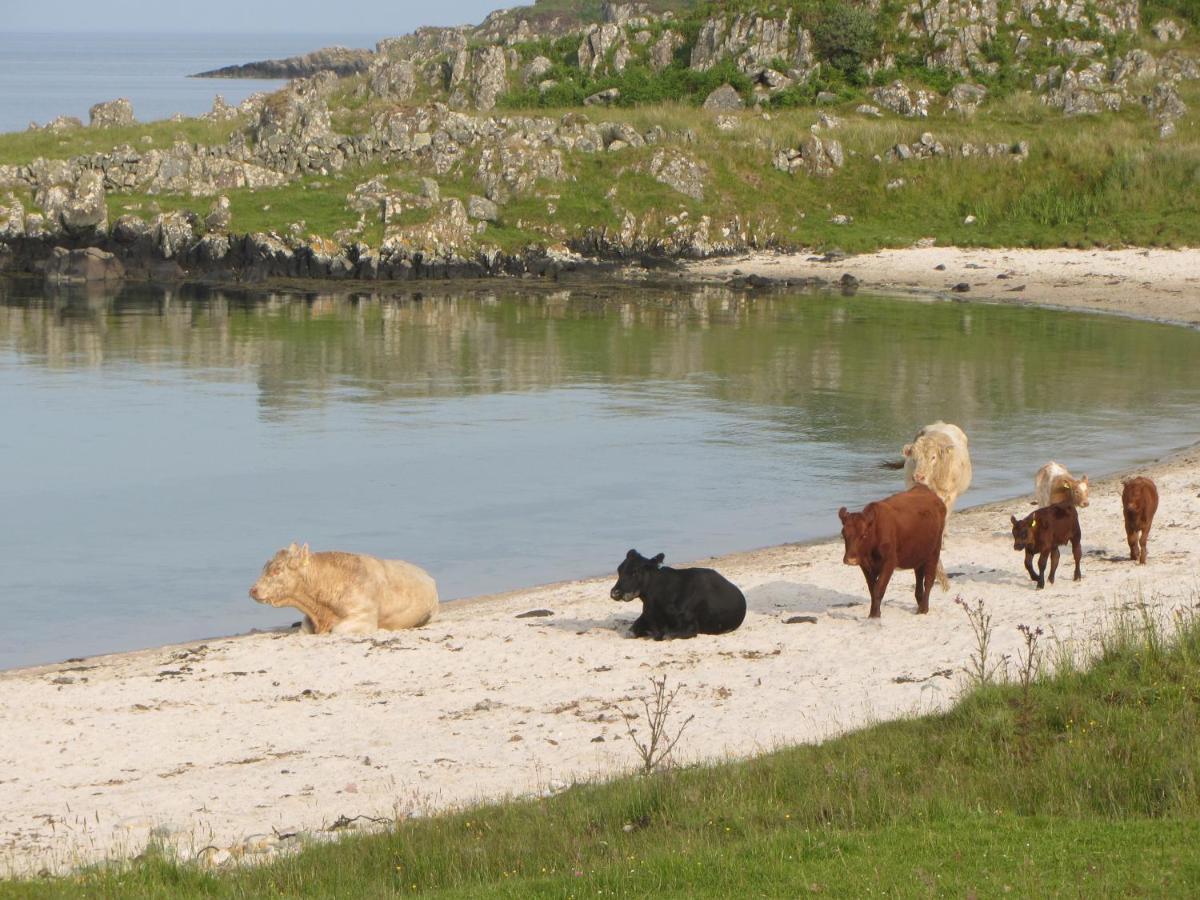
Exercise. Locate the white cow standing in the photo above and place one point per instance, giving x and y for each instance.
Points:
(938, 458)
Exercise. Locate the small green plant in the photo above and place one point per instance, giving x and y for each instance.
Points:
(846, 37)
(981, 670)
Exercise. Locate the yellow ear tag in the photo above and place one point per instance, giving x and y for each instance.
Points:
(1033, 524)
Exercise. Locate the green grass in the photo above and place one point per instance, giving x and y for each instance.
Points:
(22, 147)
(1086, 786)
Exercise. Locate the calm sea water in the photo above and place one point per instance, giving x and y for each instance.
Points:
(47, 75)
(159, 445)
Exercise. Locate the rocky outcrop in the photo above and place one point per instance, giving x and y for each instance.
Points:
(338, 60)
(112, 114)
(929, 147)
(78, 209)
(902, 100)
(392, 80)
(724, 99)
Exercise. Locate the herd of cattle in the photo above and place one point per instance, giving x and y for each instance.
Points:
(351, 593)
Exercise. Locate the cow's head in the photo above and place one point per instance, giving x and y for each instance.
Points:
(929, 454)
(856, 527)
(1023, 531)
(632, 575)
(1079, 491)
(277, 583)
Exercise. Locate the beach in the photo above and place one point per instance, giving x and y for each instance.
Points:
(240, 747)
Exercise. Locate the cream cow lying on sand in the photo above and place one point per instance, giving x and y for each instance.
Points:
(347, 593)
(938, 458)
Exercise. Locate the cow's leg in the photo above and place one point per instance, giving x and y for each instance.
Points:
(1033, 576)
(639, 628)
(1041, 579)
(926, 575)
(1131, 536)
(1054, 556)
(308, 626)
(1145, 537)
(879, 588)
(1077, 552)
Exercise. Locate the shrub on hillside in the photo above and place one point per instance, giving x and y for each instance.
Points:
(845, 37)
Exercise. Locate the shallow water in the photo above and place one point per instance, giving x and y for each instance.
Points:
(159, 444)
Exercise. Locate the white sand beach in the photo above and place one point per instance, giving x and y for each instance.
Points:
(236, 743)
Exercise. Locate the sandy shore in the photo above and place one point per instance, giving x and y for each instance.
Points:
(237, 743)
(1154, 284)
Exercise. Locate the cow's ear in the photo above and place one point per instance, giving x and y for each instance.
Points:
(907, 451)
(292, 549)
(658, 559)
(843, 514)
(1083, 480)
(305, 556)
(632, 554)
(1014, 519)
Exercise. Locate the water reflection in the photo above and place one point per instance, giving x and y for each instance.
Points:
(499, 435)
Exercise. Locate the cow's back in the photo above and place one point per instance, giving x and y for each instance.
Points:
(912, 522)
(411, 597)
(1045, 479)
(1140, 495)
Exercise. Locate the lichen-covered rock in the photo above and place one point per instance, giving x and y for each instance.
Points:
(392, 80)
(753, 40)
(662, 53)
(1134, 66)
(482, 208)
(965, 98)
(78, 209)
(173, 233)
(901, 100)
(513, 168)
(1165, 104)
(603, 98)
(598, 42)
(1167, 30)
(679, 171)
(220, 215)
(59, 124)
(12, 219)
(724, 99)
(536, 70)
(817, 157)
(221, 111)
(112, 114)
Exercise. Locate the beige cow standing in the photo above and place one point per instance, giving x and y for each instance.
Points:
(347, 593)
(939, 458)
(1054, 484)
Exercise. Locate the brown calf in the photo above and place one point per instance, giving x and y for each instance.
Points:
(902, 532)
(1043, 531)
(1139, 500)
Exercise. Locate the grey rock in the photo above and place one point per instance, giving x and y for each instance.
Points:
(12, 219)
(901, 100)
(219, 215)
(172, 233)
(677, 170)
(724, 99)
(80, 209)
(1167, 30)
(112, 114)
(965, 98)
(392, 80)
(603, 98)
(662, 54)
(482, 208)
(338, 61)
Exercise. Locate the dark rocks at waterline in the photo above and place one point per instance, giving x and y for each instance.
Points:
(763, 282)
(339, 60)
(82, 266)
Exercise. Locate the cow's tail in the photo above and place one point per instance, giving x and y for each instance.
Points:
(892, 464)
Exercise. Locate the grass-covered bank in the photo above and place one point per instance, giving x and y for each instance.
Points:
(1083, 784)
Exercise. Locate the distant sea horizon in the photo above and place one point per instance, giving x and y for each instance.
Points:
(44, 75)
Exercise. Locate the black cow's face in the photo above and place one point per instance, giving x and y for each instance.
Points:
(632, 574)
(1022, 531)
(854, 533)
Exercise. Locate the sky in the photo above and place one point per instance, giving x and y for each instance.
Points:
(383, 17)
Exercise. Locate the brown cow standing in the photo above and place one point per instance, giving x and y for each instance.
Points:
(902, 532)
(1043, 531)
(1139, 501)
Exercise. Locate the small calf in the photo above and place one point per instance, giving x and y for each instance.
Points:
(678, 602)
(1043, 531)
(1054, 484)
(1139, 501)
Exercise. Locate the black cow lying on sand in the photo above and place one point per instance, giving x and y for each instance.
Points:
(678, 602)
